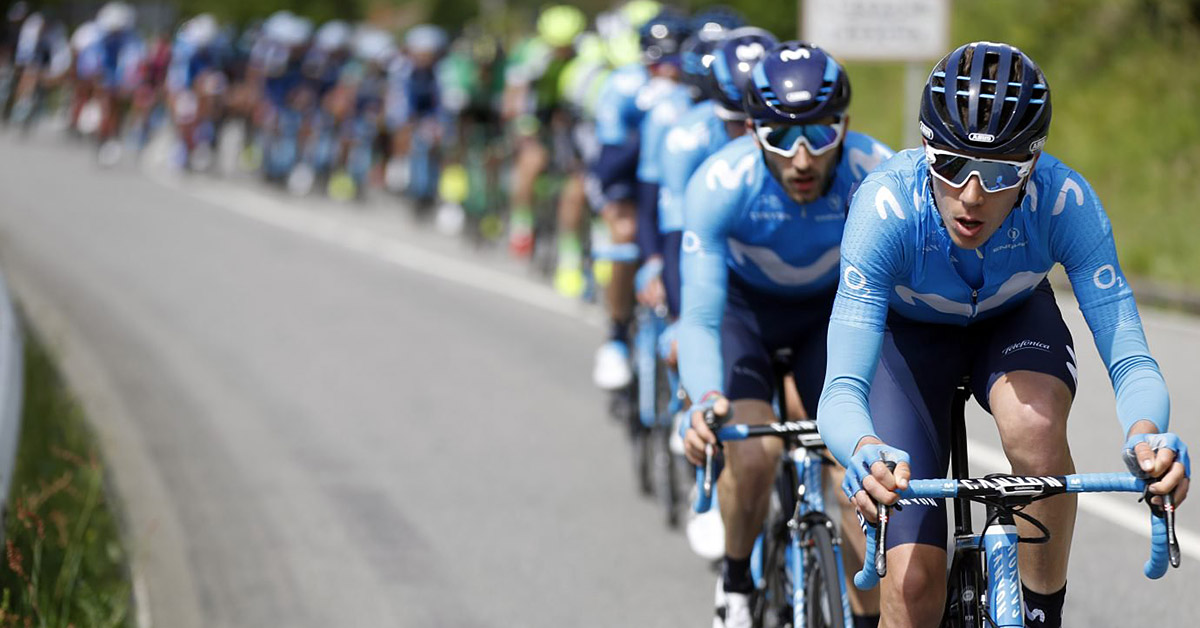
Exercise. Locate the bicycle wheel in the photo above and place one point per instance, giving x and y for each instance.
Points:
(822, 586)
(773, 607)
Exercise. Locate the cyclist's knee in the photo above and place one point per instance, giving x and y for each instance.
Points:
(622, 222)
(1031, 412)
(914, 593)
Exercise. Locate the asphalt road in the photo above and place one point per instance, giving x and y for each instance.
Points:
(321, 415)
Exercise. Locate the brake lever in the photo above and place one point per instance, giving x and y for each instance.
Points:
(885, 513)
(1172, 542)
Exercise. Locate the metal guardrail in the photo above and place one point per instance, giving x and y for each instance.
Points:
(12, 379)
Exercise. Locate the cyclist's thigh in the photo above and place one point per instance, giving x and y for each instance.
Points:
(806, 324)
(748, 372)
(919, 368)
(1032, 337)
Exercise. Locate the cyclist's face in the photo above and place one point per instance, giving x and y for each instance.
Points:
(803, 176)
(971, 214)
(735, 128)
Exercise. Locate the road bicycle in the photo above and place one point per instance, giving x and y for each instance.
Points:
(984, 584)
(797, 560)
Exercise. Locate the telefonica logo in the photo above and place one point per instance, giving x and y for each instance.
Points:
(982, 137)
(1026, 344)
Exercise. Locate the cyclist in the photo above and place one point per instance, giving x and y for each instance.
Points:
(417, 112)
(195, 82)
(699, 133)
(580, 84)
(621, 124)
(537, 113)
(118, 55)
(668, 97)
(943, 275)
(763, 222)
(278, 59)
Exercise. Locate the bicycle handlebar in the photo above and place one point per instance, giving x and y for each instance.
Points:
(804, 432)
(1164, 546)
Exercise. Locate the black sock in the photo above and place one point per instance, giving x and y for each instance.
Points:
(619, 331)
(1043, 610)
(737, 575)
(866, 621)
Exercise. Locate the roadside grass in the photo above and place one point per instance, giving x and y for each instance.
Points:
(64, 565)
(1125, 91)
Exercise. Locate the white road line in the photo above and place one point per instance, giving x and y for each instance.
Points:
(340, 233)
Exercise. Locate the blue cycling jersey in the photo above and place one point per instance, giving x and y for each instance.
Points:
(114, 59)
(617, 114)
(664, 101)
(897, 254)
(738, 219)
(693, 138)
(188, 61)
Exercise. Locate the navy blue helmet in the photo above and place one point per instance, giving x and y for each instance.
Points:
(796, 83)
(662, 37)
(697, 54)
(988, 99)
(718, 16)
(733, 60)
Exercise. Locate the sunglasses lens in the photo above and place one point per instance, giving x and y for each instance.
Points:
(994, 175)
(817, 136)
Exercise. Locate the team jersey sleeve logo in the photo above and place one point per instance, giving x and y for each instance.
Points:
(721, 175)
(862, 162)
(886, 203)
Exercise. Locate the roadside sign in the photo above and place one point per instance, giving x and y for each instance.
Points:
(879, 30)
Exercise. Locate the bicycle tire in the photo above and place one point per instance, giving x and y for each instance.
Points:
(773, 607)
(822, 586)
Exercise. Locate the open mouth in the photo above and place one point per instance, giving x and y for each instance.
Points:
(804, 184)
(968, 228)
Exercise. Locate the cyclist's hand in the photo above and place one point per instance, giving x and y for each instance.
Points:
(698, 435)
(652, 294)
(1162, 456)
(868, 479)
(650, 290)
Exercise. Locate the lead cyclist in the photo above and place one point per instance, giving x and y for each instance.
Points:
(943, 275)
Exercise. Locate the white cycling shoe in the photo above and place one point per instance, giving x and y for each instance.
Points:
(612, 370)
(732, 609)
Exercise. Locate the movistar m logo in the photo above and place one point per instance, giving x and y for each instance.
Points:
(795, 55)
(750, 52)
(721, 174)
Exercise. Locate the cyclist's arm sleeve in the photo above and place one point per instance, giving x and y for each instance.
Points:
(649, 175)
(709, 210)
(649, 240)
(874, 251)
(1081, 239)
(679, 163)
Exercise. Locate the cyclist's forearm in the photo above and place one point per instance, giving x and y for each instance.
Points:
(1141, 392)
(843, 413)
(701, 368)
